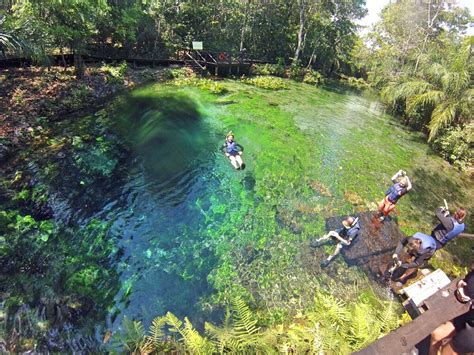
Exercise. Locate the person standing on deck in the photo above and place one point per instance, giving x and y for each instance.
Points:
(345, 235)
(393, 194)
(233, 151)
(420, 248)
(449, 227)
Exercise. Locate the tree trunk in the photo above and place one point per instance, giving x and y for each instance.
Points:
(78, 65)
(301, 34)
(244, 26)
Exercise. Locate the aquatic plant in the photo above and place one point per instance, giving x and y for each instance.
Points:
(202, 83)
(266, 82)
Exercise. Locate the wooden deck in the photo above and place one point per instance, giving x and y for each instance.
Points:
(440, 308)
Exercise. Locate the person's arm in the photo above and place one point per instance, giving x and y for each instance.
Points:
(396, 176)
(223, 150)
(446, 221)
(419, 260)
(240, 147)
(337, 234)
(351, 235)
(400, 246)
(409, 186)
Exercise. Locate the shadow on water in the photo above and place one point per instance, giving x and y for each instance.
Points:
(166, 131)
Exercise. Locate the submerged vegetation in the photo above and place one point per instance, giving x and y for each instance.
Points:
(116, 209)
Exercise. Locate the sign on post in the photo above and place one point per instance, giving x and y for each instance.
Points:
(197, 46)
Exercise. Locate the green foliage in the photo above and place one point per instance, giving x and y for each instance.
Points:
(456, 146)
(295, 71)
(205, 84)
(269, 69)
(312, 77)
(356, 83)
(266, 82)
(423, 67)
(330, 326)
(115, 73)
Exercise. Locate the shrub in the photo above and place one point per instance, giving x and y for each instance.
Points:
(266, 82)
(455, 145)
(115, 73)
(178, 73)
(312, 77)
(269, 69)
(295, 72)
(356, 83)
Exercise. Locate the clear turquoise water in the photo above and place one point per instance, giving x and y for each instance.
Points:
(192, 231)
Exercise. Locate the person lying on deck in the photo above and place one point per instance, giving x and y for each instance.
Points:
(457, 335)
(344, 235)
(420, 248)
(449, 227)
(233, 151)
(393, 194)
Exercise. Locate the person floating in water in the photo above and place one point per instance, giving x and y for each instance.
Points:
(450, 227)
(393, 194)
(233, 151)
(420, 248)
(345, 236)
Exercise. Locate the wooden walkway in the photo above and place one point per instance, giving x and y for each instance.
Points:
(215, 63)
(440, 308)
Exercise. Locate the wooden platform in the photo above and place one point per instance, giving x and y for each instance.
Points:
(440, 308)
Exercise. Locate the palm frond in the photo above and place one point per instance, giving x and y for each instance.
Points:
(441, 116)
(429, 98)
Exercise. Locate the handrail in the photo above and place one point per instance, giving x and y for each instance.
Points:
(195, 61)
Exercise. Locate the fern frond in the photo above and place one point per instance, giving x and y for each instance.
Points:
(245, 325)
(156, 335)
(134, 334)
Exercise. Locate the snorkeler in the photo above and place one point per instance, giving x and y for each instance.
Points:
(344, 235)
(420, 248)
(393, 194)
(449, 227)
(233, 151)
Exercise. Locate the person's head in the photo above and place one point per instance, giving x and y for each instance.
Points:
(460, 214)
(403, 181)
(413, 246)
(230, 136)
(348, 222)
(465, 288)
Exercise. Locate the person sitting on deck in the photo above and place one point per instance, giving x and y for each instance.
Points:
(345, 235)
(450, 227)
(457, 335)
(233, 151)
(420, 248)
(393, 194)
